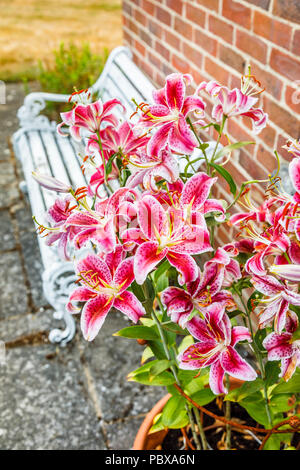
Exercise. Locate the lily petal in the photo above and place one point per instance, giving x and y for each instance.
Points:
(235, 366)
(93, 315)
(147, 258)
(128, 304)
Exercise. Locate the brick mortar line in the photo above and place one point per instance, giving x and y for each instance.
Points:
(251, 7)
(259, 141)
(249, 59)
(219, 39)
(294, 26)
(206, 55)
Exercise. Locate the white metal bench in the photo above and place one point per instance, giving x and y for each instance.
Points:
(38, 147)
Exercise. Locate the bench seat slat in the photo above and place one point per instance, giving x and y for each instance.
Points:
(58, 167)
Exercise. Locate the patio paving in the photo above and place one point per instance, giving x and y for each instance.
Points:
(75, 397)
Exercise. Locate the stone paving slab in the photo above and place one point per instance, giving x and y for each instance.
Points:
(7, 236)
(75, 397)
(13, 291)
(110, 360)
(43, 402)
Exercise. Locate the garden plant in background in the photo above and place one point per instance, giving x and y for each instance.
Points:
(219, 324)
(72, 66)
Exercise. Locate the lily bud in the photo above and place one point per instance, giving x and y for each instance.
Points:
(51, 183)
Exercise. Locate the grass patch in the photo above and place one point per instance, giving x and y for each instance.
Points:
(31, 30)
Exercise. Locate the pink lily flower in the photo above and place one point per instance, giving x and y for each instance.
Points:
(216, 348)
(123, 139)
(168, 116)
(293, 147)
(257, 214)
(294, 173)
(88, 116)
(273, 241)
(234, 102)
(97, 179)
(200, 294)
(146, 170)
(164, 233)
(191, 198)
(224, 258)
(58, 214)
(282, 347)
(99, 225)
(277, 305)
(104, 285)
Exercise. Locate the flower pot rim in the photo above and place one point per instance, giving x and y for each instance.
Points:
(142, 434)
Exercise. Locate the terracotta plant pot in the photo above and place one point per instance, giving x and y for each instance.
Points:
(145, 441)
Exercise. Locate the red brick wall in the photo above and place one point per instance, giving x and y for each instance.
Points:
(218, 39)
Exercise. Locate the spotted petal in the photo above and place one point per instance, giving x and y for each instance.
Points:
(216, 378)
(196, 190)
(147, 258)
(124, 275)
(235, 366)
(185, 265)
(128, 304)
(93, 315)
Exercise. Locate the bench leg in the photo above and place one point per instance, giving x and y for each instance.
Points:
(62, 337)
(58, 282)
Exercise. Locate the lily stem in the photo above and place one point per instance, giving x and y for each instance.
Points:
(174, 372)
(258, 357)
(201, 431)
(228, 417)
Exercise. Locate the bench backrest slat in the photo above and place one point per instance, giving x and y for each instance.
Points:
(59, 169)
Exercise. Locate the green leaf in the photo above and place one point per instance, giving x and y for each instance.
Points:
(159, 367)
(229, 148)
(247, 389)
(157, 349)
(138, 291)
(147, 354)
(158, 424)
(292, 386)
(255, 407)
(259, 337)
(162, 283)
(197, 384)
(272, 371)
(144, 368)
(165, 378)
(174, 328)
(280, 403)
(185, 343)
(138, 332)
(235, 313)
(226, 175)
(203, 397)
(174, 414)
(109, 163)
(162, 268)
(273, 443)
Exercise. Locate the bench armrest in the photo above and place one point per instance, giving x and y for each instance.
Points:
(33, 104)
